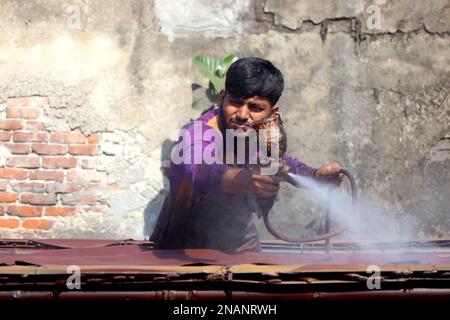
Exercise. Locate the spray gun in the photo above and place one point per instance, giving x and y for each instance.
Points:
(275, 139)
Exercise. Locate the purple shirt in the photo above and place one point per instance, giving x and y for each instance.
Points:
(197, 213)
(208, 177)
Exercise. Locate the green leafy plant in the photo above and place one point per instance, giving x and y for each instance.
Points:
(215, 70)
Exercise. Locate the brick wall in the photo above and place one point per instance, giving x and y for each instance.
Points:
(45, 176)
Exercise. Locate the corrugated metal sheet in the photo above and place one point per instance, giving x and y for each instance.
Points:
(35, 268)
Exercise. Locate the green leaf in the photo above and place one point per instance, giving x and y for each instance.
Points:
(228, 60)
(218, 83)
(220, 71)
(224, 65)
(213, 92)
(214, 69)
(208, 67)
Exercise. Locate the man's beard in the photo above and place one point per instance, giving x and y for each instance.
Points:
(223, 128)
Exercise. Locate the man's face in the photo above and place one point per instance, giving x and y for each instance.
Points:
(239, 112)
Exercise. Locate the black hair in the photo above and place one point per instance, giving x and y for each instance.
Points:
(248, 77)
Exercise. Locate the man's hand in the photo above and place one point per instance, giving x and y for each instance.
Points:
(250, 181)
(330, 174)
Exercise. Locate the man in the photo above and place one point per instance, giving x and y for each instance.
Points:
(212, 205)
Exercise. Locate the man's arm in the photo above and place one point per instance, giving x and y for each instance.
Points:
(328, 173)
(299, 167)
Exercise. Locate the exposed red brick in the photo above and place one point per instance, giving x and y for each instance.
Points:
(17, 148)
(32, 101)
(36, 187)
(49, 149)
(37, 224)
(21, 136)
(94, 138)
(3, 184)
(79, 199)
(54, 163)
(23, 162)
(84, 150)
(88, 163)
(19, 101)
(24, 211)
(47, 175)
(61, 187)
(93, 186)
(5, 135)
(60, 211)
(68, 137)
(24, 112)
(9, 124)
(39, 199)
(7, 197)
(9, 223)
(13, 174)
(35, 126)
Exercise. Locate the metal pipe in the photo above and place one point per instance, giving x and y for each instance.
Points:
(218, 295)
(328, 233)
(327, 222)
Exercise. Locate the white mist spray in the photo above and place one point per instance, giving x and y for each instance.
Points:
(371, 220)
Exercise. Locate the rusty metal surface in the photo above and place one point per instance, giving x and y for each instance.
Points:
(140, 254)
(37, 269)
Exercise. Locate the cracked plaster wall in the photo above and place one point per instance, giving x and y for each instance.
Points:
(376, 101)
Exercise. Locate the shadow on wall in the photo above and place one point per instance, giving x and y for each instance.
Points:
(152, 209)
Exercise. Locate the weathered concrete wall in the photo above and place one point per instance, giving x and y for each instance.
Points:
(372, 94)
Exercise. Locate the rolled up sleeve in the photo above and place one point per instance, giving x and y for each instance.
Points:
(299, 167)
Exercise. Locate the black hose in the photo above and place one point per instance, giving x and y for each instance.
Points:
(328, 234)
